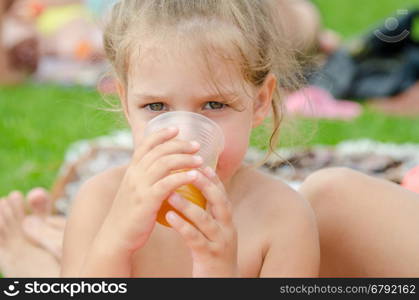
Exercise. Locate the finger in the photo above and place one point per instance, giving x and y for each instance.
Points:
(7, 211)
(163, 188)
(39, 202)
(170, 163)
(173, 146)
(212, 175)
(15, 200)
(194, 239)
(152, 140)
(3, 226)
(216, 197)
(2, 221)
(202, 220)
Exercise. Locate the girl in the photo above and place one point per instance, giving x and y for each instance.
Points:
(226, 60)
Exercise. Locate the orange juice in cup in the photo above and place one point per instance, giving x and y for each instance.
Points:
(188, 192)
(192, 127)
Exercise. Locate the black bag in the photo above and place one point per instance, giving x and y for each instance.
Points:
(385, 64)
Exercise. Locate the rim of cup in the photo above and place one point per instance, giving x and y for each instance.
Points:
(194, 115)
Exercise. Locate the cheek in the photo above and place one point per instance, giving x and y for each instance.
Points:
(236, 144)
(137, 129)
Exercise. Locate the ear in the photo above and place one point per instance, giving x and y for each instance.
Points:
(122, 93)
(263, 101)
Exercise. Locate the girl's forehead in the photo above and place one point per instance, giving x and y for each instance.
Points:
(188, 55)
(204, 51)
(156, 65)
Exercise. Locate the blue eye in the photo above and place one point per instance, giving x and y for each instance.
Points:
(217, 104)
(158, 106)
(154, 105)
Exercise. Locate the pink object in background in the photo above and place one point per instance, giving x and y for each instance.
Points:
(313, 101)
(411, 180)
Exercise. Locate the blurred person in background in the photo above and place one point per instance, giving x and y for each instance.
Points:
(18, 46)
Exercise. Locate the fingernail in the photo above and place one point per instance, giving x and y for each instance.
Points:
(192, 174)
(15, 195)
(198, 159)
(210, 171)
(195, 144)
(170, 216)
(175, 199)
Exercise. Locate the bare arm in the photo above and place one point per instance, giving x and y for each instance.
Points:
(115, 214)
(293, 250)
(82, 239)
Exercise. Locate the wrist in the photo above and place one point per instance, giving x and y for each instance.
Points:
(106, 259)
(214, 270)
(109, 241)
(108, 247)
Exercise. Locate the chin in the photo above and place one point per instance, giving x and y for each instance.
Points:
(226, 168)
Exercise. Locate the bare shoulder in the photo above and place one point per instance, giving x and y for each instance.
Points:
(286, 225)
(96, 195)
(88, 211)
(105, 184)
(274, 198)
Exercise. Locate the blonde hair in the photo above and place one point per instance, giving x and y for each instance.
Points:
(248, 32)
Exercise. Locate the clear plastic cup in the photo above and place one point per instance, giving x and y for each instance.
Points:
(192, 127)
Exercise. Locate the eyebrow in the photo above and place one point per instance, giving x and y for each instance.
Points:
(150, 97)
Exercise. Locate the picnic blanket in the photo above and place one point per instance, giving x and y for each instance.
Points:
(86, 158)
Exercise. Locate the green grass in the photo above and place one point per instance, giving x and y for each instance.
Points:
(371, 125)
(37, 125)
(354, 17)
(39, 122)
